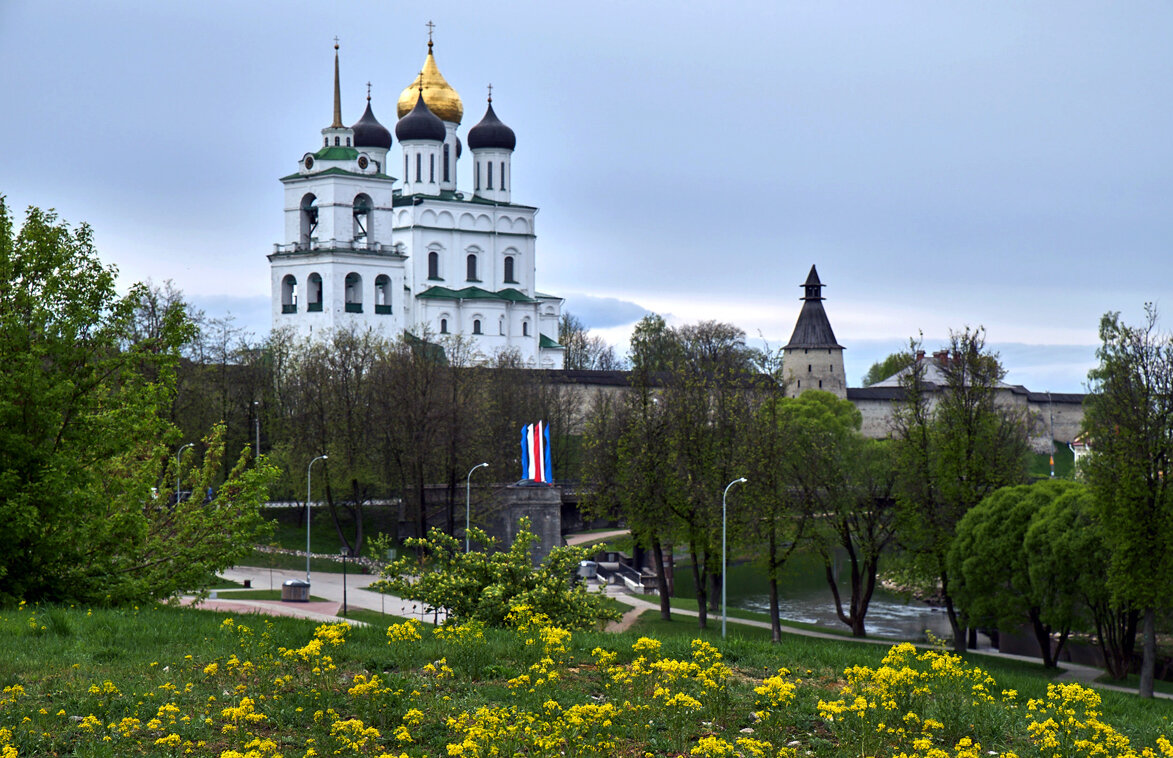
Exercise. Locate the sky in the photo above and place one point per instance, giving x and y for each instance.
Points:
(944, 164)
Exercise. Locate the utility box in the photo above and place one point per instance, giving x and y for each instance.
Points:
(295, 591)
(588, 570)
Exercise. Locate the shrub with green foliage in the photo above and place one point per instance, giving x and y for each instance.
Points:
(488, 585)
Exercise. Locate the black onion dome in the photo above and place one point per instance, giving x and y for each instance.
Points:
(490, 132)
(420, 124)
(459, 147)
(368, 132)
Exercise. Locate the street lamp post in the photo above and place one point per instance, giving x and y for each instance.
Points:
(724, 612)
(178, 462)
(468, 501)
(345, 555)
(257, 424)
(308, 471)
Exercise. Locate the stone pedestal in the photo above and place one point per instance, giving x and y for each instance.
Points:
(541, 503)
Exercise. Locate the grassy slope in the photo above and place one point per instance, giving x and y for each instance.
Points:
(57, 663)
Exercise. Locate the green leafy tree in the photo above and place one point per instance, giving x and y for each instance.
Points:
(993, 576)
(707, 403)
(954, 445)
(1128, 417)
(487, 585)
(654, 346)
(890, 366)
(1067, 553)
(771, 505)
(84, 435)
(843, 487)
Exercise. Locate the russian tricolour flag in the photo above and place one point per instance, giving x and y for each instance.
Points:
(535, 453)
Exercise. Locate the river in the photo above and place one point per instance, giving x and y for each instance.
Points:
(803, 595)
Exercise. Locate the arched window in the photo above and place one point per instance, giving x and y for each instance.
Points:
(382, 294)
(309, 219)
(348, 141)
(477, 175)
(471, 265)
(405, 174)
(313, 293)
(336, 142)
(808, 368)
(501, 326)
(502, 174)
(362, 216)
(489, 184)
(433, 265)
(431, 168)
(525, 328)
(476, 326)
(353, 293)
(445, 162)
(443, 326)
(419, 162)
(820, 384)
(289, 294)
(509, 270)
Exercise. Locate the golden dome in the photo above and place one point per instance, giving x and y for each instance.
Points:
(439, 96)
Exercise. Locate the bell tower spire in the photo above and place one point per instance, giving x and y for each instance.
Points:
(337, 92)
(338, 134)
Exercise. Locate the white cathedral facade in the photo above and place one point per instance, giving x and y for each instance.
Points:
(415, 254)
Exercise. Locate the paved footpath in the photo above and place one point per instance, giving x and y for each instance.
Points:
(328, 586)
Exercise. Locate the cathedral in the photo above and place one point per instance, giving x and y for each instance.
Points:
(413, 254)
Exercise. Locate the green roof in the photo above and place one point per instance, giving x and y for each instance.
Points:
(544, 296)
(336, 171)
(336, 153)
(545, 343)
(476, 293)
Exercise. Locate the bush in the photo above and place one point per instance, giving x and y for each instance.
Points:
(489, 586)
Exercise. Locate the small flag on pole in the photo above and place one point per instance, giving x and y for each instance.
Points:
(535, 453)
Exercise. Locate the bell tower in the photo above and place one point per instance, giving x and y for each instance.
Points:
(337, 267)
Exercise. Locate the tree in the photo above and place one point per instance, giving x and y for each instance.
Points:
(1067, 553)
(1129, 419)
(843, 485)
(772, 509)
(583, 350)
(84, 435)
(955, 445)
(707, 403)
(995, 578)
(890, 366)
(654, 346)
(630, 475)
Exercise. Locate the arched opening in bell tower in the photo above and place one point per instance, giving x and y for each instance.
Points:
(362, 217)
(313, 292)
(309, 219)
(289, 294)
(353, 293)
(382, 294)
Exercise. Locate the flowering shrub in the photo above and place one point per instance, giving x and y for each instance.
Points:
(487, 586)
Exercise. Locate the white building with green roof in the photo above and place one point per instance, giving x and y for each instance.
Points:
(366, 250)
